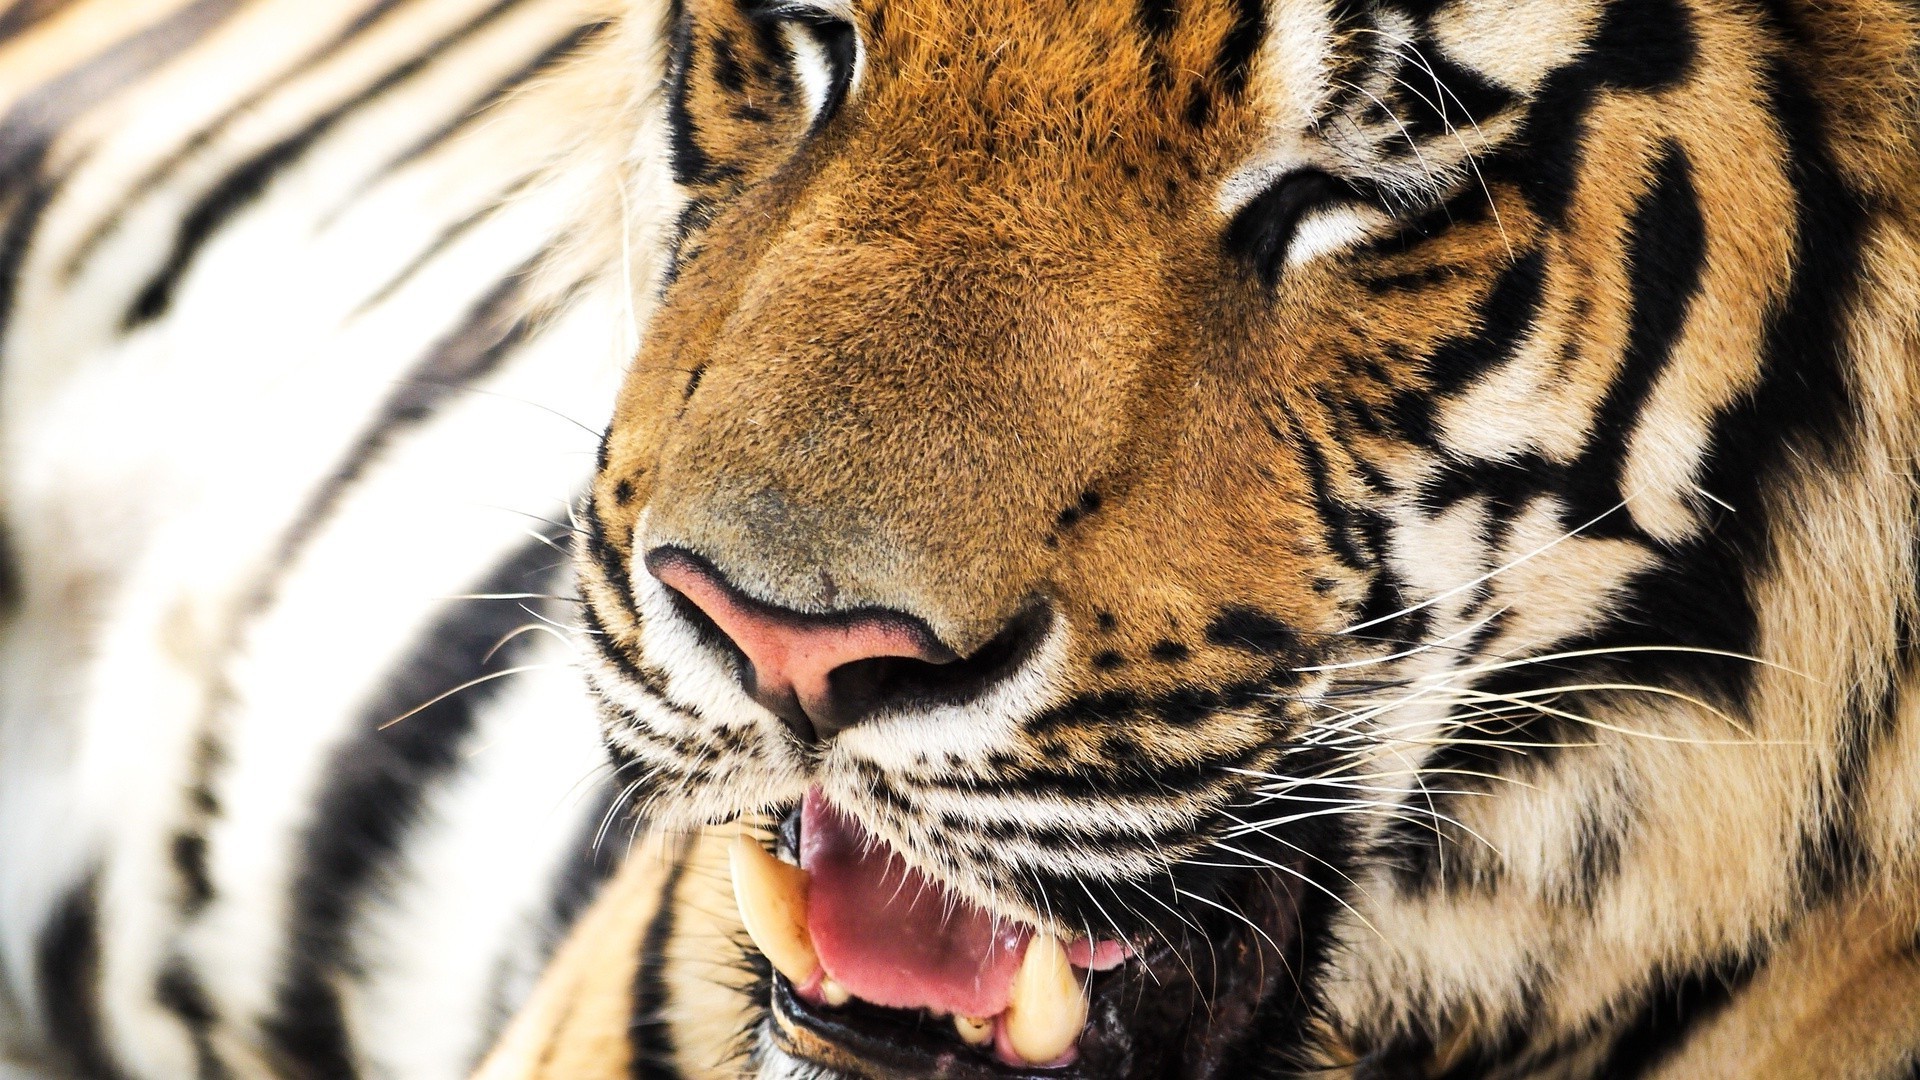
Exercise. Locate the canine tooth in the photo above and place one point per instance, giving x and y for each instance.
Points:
(1049, 1007)
(835, 994)
(974, 1031)
(773, 906)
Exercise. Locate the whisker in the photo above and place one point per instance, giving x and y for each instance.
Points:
(1491, 574)
(468, 685)
(521, 631)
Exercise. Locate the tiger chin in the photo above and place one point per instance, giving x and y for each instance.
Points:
(1232, 539)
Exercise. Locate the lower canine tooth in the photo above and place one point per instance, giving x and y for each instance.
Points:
(835, 994)
(972, 1031)
(773, 906)
(1049, 1007)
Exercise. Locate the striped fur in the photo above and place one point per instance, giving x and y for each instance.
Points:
(1463, 453)
(289, 457)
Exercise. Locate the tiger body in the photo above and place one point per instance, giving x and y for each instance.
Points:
(262, 267)
(1422, 494)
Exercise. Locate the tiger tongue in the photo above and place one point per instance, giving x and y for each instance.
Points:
(894, 938)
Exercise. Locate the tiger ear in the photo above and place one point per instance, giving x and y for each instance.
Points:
(666, 920)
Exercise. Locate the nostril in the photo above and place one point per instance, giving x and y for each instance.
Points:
(878, 684)
(823, 673)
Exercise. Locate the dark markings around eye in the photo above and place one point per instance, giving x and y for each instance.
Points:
(834, 36)
(1438, 96)
(837, 41)
(1264, 229)
(691, 164)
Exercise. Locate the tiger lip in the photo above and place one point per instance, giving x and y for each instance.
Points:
(1024, 1000)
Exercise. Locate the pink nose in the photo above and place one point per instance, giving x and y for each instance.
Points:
(805, 668)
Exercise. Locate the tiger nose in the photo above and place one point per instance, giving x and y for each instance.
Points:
(821, 674)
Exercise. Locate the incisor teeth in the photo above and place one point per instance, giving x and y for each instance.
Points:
(973, 1031)
(773, 905)
(1049, 1007)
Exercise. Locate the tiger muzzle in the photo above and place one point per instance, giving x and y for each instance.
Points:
(879, 971)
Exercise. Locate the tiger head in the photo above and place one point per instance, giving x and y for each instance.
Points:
(1200, 493)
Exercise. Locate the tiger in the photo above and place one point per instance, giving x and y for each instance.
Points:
(1113, 539)
(1253, 538)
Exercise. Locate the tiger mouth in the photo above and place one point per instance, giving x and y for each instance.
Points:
(880, 972)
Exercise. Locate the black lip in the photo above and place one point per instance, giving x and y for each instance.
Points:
(886, 1044)
(1148, 1019)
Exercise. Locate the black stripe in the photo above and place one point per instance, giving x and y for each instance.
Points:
(1674, 1009)
(1796, 419)
(1801, 414)
(690, 161)
(190, 842)
(1834, 856)
(465, 118)
(1642, 45)
(615, 656)
(249, 180)
(29, 129)
(199, 140)
(477, 345)
(42, 115)
(608, 559)
(649, 1031)
(1336, 517)
(1157, 17)
(178, 990)
(436, 247)
(692, 165)
(1234, 64)
(1439, 97)
(67, 967)
(1666, 253)
(1505, 317)
(23, 198)
(1599, 848)
(376, 786)
(24, 15)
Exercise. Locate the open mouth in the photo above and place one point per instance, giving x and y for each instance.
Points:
(880, 971)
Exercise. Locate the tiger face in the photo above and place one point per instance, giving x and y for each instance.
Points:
(1158, 476)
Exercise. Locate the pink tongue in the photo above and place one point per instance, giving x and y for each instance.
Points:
(892, 937)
